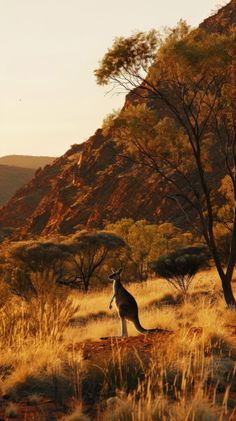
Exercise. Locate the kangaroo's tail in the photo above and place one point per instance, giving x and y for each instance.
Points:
(141, 328)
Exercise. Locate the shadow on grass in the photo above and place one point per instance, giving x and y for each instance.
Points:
(176, 300)
(223, 357)
(205, 295)
(53, 386)
(167, 300)
(91, 317)
(120, 372)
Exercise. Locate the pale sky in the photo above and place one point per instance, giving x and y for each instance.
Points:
(49, 99)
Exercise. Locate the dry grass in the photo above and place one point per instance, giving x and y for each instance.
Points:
(191, 378)
(94, 319)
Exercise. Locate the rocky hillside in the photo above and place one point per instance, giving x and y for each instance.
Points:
(93, 183)
(223, 20)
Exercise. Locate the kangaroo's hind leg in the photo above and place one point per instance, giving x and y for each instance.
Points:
(124, 330)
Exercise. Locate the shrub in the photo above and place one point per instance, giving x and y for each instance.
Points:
(180, 267)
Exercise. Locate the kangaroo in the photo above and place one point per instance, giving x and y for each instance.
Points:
(126, 305)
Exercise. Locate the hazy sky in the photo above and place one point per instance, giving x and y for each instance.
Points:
(49, 48)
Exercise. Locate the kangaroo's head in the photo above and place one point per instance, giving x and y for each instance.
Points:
(115, 275)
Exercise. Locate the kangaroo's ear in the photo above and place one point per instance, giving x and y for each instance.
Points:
(120, 270)
(113, 270)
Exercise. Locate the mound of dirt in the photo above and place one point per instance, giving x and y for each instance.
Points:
(103, 349)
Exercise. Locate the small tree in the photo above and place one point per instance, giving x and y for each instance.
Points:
(180, 267)
(88, 250)
(35, 267)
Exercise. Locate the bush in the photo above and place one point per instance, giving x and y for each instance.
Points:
(180, 267)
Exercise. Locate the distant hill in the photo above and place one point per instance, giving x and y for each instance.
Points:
(26, 161)
(11, 179)
(18, 170)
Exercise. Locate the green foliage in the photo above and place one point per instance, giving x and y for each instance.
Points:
(127, 53)
(87, 241)
(33, 268)
(194, 52)
(156, 142)
(147, 241)
(204, 51)
(38, 255)
(41, 270)
(191, 75)
(180, 267)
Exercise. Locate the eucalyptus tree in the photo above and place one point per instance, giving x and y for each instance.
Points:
(89, 250)
(180, 121)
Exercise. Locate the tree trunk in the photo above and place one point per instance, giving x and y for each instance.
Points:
(228, 292)
(85, 284)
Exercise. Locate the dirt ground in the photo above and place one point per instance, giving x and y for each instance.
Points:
(101, 350)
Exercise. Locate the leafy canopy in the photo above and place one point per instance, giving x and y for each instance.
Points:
(146, 241)
(89, 250)
(156, 142)
(127, 54)
(180, 266)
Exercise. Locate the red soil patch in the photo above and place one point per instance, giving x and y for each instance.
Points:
(102, 349)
